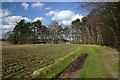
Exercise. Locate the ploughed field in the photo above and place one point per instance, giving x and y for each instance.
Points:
(53, 61)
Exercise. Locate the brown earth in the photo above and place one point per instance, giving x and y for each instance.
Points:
(74, 67)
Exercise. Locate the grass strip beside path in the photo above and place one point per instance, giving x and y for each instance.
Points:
(52, 70)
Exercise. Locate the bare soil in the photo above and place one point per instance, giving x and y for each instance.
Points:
(74, 67)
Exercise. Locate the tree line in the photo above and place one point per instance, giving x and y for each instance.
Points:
(101, 26)
(34, 32)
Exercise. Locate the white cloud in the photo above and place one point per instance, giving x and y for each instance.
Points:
(47, 8)
(77, 16)
(8, 27)
(12, 20)
(37, 4)
(25, 5)
(51, 13)
(5, 29)
(66, 22)
(66, 17)
(63, 15)
(39, 18)
(4, 12)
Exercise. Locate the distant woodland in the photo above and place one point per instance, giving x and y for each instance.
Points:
(101, 26)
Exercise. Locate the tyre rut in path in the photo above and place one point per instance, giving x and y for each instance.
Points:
(75, 66)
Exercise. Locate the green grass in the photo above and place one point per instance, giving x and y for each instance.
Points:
(48, 60)
(102, 62)
(58, 67)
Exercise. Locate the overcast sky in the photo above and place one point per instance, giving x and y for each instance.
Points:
(63, 12)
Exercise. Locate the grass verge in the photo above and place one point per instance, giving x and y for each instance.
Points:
(101, 63)
(60, 66)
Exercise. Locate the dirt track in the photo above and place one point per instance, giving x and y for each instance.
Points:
(77, 65)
